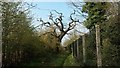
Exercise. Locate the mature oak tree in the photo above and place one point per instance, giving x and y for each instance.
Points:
(59, 30)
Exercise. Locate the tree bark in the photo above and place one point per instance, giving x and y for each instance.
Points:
(98, 47)
(78, 51)
(84, 49)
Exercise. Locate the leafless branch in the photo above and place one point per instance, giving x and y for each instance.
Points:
(57, 12)
(78, 7)
(59, 24)
(72, 24)
(45, 23)
(57, 20)
(85, 16)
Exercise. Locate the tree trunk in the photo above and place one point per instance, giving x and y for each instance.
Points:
(78, 51)
(75, 46)
(58, 45)
(84, 49)
(98, 47)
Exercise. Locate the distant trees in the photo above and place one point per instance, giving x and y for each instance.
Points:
(48, 40)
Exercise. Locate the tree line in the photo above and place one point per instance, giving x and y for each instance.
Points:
(106, 15)
(21, 42)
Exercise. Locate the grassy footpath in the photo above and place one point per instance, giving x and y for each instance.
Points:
(70, 61)
(54, 60)
(62, 59)
(58, 60)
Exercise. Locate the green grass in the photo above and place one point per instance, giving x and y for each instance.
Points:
(59, 60)
(52, 60)
(62, 59)
(71, 61)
